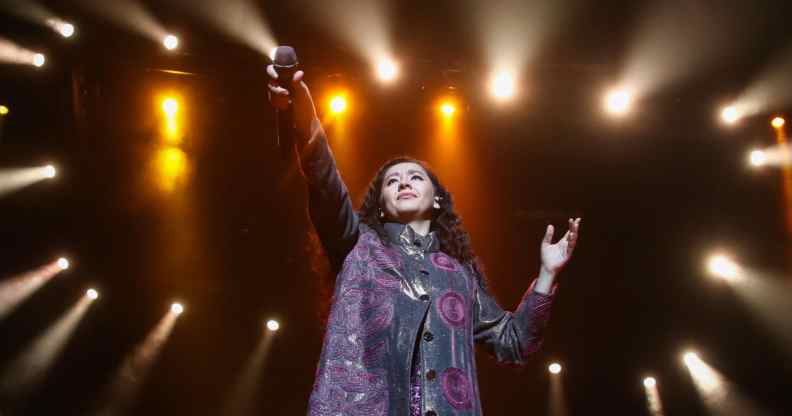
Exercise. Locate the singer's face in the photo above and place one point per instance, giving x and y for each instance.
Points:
(407, 193)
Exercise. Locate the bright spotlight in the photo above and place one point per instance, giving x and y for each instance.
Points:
(758, 158)
(4, 110)
(338, 104)
(555, 368)
(170, 106)
(387, 70)
(63, 263)
(503, 85)
(177, 308)
(690, 359)
(730, 114)
(272, 54)
(50, 171)
(722, 266)
(67, 30)
(92, 294)
(273, 325)
(171, 42)
(617, 102)
(39, 59)
(778, 122)
(448, 109)
(649, 382)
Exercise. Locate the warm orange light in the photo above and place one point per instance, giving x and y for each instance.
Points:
(170, 42)
(170, 107)
(3, 110)
(778, 122)
(338, 104)
(172, 165)
(448, 108)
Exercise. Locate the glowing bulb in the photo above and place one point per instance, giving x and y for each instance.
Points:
(730, 114)
(171, 42)
(67, 30)
(50, 171)
(650, 382)
(722, 266)
(387, 70)
(691, 359)
(448, 109)
(63, 263)
(617, 102)
(555, 368)
(778, 122)
(170, 106)
(177, 308)
(92, 294)
(39, 59)
(273, 325)
(4, 110)
(502, 86)
(338, 104)
(758, 158)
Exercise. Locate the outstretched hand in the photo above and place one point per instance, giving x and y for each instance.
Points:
(304, 110)
(555, 256)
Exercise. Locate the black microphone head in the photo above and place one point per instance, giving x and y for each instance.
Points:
(285, 57)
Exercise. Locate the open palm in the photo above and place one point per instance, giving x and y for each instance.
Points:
(555, 256)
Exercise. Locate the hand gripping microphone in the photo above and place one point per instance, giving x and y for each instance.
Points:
(285, 64)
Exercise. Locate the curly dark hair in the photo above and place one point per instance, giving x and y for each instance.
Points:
(446, 223)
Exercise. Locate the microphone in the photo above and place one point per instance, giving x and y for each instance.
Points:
(286, 64)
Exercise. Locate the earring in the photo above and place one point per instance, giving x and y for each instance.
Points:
(436, 204)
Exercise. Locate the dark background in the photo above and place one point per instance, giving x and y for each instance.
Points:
(657, 192)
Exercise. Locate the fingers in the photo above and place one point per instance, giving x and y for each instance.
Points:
(572, 234)
(271, 72)
(548, 238)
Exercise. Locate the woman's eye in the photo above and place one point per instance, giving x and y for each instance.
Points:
(391, 181)
(417, 176)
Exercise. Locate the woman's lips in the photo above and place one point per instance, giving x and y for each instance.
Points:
(406, 196)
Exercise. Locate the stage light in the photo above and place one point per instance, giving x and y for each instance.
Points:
(448, 109)
(177, 308)
(722, 266)
(273, 325)
(272, 54)
(730, 114)
(778, 122)
(690, 358)
(503, 85)
(338, 104)
(63, 263)
(170, 107)
(39, 59)
(4, 110)
(92, 294)
(555, 368)
(617, 102)
(171, 42)
(387, 70)
(650, 382)
(758, 158)
(50, 171)
(66, 30)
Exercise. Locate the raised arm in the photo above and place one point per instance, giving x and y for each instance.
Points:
(329, 205)
(512, 336)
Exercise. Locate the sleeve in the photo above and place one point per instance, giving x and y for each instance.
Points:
(329, 204)
(511, 337)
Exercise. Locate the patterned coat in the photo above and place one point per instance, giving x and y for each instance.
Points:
(397, 313)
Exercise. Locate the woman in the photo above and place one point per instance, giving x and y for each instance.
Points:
(410, 300)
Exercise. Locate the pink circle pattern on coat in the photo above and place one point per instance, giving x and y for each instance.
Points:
(444, 262)
(451, 307)
(456, 388)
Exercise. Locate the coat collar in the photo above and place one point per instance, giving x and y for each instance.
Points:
(411, 242)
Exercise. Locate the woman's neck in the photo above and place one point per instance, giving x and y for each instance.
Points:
(421, 227)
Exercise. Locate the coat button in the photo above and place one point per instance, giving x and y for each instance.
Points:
(431, 413)
(430, 375)
(428, 336)
(425, 272)
(424, 297)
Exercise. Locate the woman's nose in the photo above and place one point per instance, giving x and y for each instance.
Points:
(403, 185)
